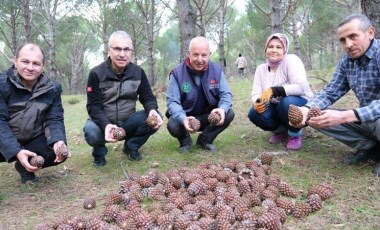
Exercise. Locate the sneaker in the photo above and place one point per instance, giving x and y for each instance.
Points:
(202, 141)
(100, 161)
(294, 143)
(278, 137)
(185, 144)
(26, 176)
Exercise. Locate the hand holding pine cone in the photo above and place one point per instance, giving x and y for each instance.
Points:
(62, 152)
(119, 133)
(314, 112)
(214, 118)
(194, 124)
(152, 121)
(37, 161)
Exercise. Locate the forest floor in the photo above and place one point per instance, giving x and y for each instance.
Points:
(61, 190)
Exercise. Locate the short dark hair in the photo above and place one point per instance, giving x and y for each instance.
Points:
(239, 55)
(19, 48)
(365, 23)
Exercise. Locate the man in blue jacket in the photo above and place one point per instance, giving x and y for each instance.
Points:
(198, 87)
(31, 114)
(113, 89)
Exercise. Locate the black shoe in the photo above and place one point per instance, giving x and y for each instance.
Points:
(376, 171)
(185, 144)
(100, 161)
(360, 156)
(26, 176)
(133, 155)
(202, 141)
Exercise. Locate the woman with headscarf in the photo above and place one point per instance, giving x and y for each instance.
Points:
(279, 82)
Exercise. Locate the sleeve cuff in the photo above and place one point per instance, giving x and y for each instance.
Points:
(357, 116)
(278, 91)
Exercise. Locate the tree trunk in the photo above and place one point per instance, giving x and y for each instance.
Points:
(371, 8)
(77, 58)
(186, 18)
(27, 20)
(222, 21)
(104, 25)
(275, 15)
(200, 22)
(51, 23)
(296, 42)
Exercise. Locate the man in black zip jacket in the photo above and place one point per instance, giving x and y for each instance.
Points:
(31, 114)
(113, 89)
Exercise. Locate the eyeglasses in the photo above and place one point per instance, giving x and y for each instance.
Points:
(118, 49)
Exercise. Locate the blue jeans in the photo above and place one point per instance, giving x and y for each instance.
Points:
(137, 133)
(276, 114)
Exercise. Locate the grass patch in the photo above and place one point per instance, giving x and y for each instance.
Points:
(62, 189)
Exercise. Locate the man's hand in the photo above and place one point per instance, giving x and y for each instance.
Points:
(56, 146)
(153, 112)
(260, 107)
(222, 115)
(23, 157)
(108, 133)
(187, 124)
(267, 95)
(331, 118)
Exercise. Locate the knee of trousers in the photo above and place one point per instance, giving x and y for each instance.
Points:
(175, 128)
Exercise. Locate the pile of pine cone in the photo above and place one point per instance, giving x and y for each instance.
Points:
(231, 195)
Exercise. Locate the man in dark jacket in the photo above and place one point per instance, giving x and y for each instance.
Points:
(198, 88)
(112, 91)
(31, 114)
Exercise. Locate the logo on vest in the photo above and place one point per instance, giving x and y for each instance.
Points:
(186, 87)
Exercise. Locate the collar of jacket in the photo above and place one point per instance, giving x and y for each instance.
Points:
(43, 84)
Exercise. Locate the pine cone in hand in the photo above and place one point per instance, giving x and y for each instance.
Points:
(314, 112)
(195, 124)
(62, 152)
(119, 133)
(37, 161)
(152, 121)
(214, 118)
(295, 115)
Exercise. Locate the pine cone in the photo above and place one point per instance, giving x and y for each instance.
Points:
(325, 191)
(266, 158)
(315, 202)
(314, 112)
(301, 210)
(214, 118)
(295, 115)
(89, 203)
(152, 121)
(62, 152)
(195, 124)
(37, 161)
(287, 190)
(119, 133)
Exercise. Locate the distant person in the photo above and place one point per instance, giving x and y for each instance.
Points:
(31, 114)
(279, 82)
(113, 89)
(359, 71)
(241, 63)
(197, 88)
